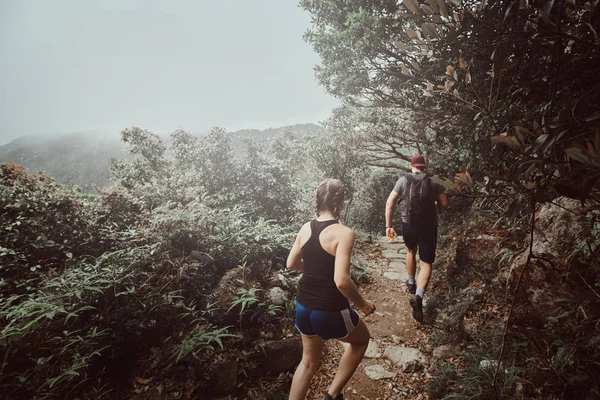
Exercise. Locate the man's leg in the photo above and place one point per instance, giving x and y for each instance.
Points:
(427, 246)
(411, 251)
(411, 261)
(423, 278)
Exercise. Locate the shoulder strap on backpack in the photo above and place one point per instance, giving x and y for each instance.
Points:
(408, 193)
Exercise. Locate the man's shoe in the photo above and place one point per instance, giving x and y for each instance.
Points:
(417, 305)
(328, 397)
(412, 287)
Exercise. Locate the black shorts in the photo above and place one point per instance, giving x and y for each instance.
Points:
(423, 237)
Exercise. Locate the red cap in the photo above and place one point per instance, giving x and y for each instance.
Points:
(417, 161)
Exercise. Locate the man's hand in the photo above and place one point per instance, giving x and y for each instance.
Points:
(391, 234)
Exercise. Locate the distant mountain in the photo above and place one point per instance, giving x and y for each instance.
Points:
(238, 137)
(272, 132)
(82, 158)
(79, 158)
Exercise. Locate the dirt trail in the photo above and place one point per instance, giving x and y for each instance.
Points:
(395, 337)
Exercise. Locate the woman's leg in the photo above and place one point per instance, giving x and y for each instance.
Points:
(312, 348)
(358, 340)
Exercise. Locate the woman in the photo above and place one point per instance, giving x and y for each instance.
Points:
(322, 251)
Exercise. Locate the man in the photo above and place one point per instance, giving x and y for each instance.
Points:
(419, 225)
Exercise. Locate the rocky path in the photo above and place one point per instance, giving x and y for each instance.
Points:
(394, 366)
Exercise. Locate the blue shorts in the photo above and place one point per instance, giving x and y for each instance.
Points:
(326, 324)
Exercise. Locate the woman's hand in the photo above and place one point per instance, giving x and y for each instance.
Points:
(367, 308)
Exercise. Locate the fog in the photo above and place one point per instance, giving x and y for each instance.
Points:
(75, 66)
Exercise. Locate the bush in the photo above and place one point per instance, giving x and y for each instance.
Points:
(105, 278)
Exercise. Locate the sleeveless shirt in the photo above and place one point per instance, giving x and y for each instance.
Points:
(317, 289)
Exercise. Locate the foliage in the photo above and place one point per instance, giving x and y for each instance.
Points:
(190, 168)
(266, 183)
(200, 341)
(503, 99)
(359, 269)
(45, 225)
(442, 78)
(371, 193)
(104, 278)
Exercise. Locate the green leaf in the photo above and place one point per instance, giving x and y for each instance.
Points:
(592, 117)
(443, 8)
(515, 207)
(539, 142)
(579, 154)
(412, 5)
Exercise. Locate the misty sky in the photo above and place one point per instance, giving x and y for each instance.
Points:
(88, 65)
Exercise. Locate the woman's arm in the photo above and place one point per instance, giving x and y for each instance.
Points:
(294, 260)
(341, 275)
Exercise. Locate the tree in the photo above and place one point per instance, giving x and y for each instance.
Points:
(464, 72)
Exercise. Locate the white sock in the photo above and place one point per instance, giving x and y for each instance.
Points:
(411, 279)
(420, 292)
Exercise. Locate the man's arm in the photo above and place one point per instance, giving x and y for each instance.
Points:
(443, 200)
(390, 205)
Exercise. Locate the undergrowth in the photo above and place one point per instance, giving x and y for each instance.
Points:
(552, 340)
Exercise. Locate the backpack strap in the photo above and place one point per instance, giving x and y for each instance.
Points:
(427, 183)
(410, 180)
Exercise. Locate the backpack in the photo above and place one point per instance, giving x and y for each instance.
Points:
(419, 199)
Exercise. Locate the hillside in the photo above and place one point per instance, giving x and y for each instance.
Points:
(82, 158)
(78, 158)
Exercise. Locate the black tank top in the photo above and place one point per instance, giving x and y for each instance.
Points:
(317, 289)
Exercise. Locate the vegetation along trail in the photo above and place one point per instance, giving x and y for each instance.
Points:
(170, 282)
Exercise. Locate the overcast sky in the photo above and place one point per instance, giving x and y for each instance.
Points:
(90, 65)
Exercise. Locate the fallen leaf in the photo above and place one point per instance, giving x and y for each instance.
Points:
(143, 381)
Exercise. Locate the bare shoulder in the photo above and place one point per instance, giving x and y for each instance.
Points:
(304, 233)
(305, 230)
(344, 232)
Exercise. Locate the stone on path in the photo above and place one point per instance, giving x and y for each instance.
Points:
(378, 372)
(385, 240)
(395, 276)
(372, 349)
(392, 254)
(407, 358)
(398, 266)
(400, 247)
(446, 351)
